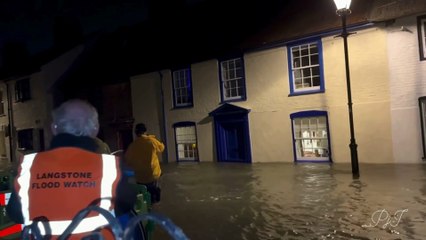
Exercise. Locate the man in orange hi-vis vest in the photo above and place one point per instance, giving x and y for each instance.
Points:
(53, 186)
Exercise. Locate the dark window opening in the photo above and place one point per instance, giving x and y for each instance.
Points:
(25, 139)
(22, 90)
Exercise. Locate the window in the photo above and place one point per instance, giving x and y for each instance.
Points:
(310, 135)
(186, 141)
(1, 104)
(421, 31)
(25, 139)
(182, 88)
(232, 80)
(22, 90)
(305, 67)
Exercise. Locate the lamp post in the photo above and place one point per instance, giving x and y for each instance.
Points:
(343, 10)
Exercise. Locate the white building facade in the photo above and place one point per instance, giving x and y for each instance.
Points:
(289, 103)
(407, 77)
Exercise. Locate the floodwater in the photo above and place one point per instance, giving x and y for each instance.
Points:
(261, 201)
(210, 201)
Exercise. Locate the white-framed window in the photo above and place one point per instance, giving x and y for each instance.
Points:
(311, 136)
(421, 31)
(232, 77)
(305, 67)
(186, 141)
(182, 88)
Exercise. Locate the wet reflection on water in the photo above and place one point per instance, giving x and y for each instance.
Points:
(287, 201)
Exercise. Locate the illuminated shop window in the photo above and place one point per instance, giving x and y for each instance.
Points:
(310, 134)
(186, 141)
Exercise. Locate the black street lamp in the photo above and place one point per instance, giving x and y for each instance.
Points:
(343, 10)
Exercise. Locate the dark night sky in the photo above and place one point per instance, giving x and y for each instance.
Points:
(178, 24)
(31, 21)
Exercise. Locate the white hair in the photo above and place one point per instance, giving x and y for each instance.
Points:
(76, 117)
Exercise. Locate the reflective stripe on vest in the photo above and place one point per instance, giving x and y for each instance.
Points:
(4, 198)
(14, 229)
(86, 225)
(109, 175)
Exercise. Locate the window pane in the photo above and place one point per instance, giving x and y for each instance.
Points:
(295, 52)
(240, 72)
(316, 81)
(305, 61)
(314, 59)
(307, 73)
(233, 92)
(314, 49)
(228, 93)
(304, 50)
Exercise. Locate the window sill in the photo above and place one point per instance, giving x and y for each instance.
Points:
(305, 93)
(187, 160)
(234, 100)
(313, 161)
(183, 107)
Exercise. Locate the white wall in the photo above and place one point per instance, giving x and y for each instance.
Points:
(407, 84)
(268, 90)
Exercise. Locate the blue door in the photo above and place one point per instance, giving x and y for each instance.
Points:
(232, 134)
(233, 142)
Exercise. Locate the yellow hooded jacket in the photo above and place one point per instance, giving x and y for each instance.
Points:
(142, 157)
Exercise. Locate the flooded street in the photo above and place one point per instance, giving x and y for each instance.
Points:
(288, 201)
(211, 201)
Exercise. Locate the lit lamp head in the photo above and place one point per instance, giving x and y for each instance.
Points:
(343, 7)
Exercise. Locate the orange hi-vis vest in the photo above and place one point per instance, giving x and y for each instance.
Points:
(59, 183)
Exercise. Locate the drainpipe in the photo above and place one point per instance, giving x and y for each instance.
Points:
(163, 111)
(11, 125)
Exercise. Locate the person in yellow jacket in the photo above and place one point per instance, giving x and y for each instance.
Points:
(142, 157)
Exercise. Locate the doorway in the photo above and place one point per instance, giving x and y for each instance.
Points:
(232, 134)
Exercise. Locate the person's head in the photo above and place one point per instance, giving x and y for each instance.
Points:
(75, 117)
(140, 129)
